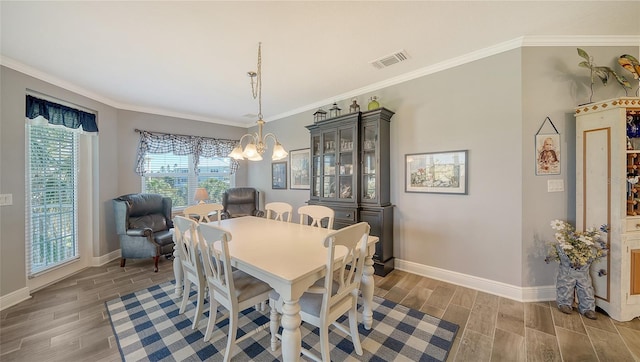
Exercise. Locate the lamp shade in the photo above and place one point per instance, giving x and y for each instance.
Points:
(278, 152)
(201, 195)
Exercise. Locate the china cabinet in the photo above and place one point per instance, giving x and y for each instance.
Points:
(350, 174)
(607, 169)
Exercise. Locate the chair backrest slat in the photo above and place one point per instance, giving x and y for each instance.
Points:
(203, 211)
(352, 241)
(185, 235)
(216, 260)
(279, 211)
(316, 213)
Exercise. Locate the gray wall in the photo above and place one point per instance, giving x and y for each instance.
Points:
(116, 153)
(492, 107)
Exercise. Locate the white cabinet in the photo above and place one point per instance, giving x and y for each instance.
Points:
(603, 196)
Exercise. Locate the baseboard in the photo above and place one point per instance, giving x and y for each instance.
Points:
(103, 259)
(528, 294)
(14, 298)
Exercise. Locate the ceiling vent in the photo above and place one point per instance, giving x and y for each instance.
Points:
(389, 60)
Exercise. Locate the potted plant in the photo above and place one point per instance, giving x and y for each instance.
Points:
(601, 72)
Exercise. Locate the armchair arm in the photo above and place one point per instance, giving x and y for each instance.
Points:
(146, 232)
(259, 213)
(224, 215)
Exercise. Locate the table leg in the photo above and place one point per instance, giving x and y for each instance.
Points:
(366, 287)
(177, 271)
(291, 336)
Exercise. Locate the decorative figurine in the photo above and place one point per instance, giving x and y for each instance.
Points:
(354, 107)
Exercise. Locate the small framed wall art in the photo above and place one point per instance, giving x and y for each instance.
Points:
(300, 169)
(547, 149)
(436, 172)
(279, 175)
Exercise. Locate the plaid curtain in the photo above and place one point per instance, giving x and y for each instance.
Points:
(154, 142)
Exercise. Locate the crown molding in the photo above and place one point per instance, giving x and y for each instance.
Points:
(524, 41)
(45, 77)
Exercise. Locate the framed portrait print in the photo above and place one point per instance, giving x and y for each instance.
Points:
(279, 175)
(299, 169)
(548, 154)
(436, 172)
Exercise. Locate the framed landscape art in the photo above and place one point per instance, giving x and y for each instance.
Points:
(436, 172)
(300, 169)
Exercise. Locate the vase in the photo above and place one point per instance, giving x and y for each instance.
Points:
(574, 280)
(373, 104)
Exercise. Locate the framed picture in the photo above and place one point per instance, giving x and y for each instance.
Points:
(300, 169)
(279, 175)
(436, 172)
(548, 154)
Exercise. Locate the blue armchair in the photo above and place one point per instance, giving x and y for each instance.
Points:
(144, 225)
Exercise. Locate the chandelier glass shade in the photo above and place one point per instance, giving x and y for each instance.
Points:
(257, 144)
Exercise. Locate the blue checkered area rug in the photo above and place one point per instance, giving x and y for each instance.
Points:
(148, 327)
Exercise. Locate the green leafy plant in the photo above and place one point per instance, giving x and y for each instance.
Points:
(601, 72)
(631, 64)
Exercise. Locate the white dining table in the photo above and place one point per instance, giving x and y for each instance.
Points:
(290, 257)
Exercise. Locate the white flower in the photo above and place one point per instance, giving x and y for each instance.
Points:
(557, 225)
(559, 237)
(586, 239)
(567, 247)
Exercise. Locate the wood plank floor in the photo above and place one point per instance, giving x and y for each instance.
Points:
(67, 321)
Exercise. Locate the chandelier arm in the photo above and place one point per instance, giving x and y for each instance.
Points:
(275, 139)
(253, 137)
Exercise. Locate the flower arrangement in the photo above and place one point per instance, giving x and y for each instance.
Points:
(581, 248)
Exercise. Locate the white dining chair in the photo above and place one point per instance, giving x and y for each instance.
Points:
(204, 211)
(316, 213)
(234, 290)
(185, 237)
(279, 211)
(335, 294)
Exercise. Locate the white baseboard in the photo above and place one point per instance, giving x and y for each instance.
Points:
(527, 294)
(14, 298)
(103, 259)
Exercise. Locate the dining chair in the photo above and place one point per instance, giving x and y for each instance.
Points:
(235, 290)
(335, 294)
(192, 270)
(277, 211)
(316, 213)
(204, 211)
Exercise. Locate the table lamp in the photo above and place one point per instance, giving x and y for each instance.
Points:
(201, 195)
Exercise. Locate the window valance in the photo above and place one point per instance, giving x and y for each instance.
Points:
(58, 114)
(156, 142)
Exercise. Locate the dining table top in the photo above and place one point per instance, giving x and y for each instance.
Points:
(287, 251)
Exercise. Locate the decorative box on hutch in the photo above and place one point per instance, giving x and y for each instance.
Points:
(607, 193)
(350, 174)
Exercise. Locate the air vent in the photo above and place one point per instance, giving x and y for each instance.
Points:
(389, 60)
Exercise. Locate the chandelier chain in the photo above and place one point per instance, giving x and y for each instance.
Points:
(256, 89)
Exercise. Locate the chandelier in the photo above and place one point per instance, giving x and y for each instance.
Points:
(257, 142)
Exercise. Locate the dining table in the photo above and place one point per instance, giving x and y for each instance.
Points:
(290, 257)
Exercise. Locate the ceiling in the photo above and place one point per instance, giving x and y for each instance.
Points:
(190, 59)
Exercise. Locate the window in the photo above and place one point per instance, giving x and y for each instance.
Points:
(174, 176)
(52, 176)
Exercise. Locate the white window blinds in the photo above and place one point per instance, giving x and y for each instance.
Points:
(51, 197)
